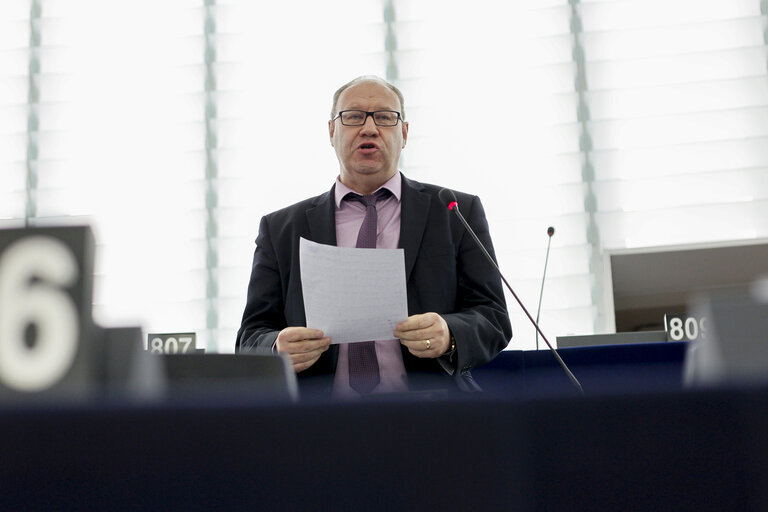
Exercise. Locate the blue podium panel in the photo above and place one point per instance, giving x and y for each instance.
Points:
(640, 367)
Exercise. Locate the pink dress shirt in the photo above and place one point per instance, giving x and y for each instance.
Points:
(349, 218)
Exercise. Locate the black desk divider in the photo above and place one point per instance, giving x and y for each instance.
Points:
(266, 376)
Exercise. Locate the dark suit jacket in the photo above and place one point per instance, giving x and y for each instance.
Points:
(446, 273)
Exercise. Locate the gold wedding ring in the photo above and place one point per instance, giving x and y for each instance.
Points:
(429, 344)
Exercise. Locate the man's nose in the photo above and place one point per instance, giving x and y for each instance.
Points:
(369, 126)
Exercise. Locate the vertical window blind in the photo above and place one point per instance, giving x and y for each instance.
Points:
(120, 147)
(493, 110)
(277, 67)
(172, 128)
(18, 50)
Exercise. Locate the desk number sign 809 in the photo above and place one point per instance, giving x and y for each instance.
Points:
(683, 327)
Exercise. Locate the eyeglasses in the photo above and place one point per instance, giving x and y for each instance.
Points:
(359, 117)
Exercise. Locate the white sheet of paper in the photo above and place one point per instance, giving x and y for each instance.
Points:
(353, 294)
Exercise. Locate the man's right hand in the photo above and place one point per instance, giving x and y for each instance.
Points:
(303, 345)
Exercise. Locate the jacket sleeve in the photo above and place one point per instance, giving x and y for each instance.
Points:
(264, 317)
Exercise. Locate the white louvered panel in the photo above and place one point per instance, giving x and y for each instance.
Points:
(679, 121)
(14, 89)
(120, 138)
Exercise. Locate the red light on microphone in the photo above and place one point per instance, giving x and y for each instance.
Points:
(452, 204)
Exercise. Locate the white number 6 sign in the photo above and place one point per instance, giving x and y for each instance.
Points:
(39, 327)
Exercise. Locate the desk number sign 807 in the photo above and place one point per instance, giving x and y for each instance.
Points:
(171, 343)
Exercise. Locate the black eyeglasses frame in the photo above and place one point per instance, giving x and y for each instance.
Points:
(367, 114)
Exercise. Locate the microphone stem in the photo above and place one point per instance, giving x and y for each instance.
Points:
(567, 371)
(541, 293)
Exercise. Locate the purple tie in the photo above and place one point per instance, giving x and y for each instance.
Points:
(363, 364)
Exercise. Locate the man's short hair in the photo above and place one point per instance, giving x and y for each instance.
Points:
(368, 78)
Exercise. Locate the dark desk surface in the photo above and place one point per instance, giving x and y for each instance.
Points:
(701, 451)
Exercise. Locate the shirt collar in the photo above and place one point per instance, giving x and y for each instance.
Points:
(393, 184)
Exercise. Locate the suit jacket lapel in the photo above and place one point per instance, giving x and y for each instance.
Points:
(414, 210)
(322, 219)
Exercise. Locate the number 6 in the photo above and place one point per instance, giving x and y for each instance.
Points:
(33, 272)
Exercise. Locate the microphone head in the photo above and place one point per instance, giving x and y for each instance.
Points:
(448, 198)
(550, 231)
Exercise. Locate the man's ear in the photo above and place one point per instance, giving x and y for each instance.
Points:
(331, 130)
(405, 132)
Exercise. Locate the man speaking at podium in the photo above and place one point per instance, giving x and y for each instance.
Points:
(458, 317)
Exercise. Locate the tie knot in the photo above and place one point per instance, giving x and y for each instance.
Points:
(369, 199)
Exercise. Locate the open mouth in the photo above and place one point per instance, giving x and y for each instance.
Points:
(367, 146)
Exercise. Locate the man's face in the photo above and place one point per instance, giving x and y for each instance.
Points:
(368, 154)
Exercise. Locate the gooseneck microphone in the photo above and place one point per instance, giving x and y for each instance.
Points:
(449, 198)
(550, 232)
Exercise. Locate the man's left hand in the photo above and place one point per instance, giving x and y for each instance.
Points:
(425, 335)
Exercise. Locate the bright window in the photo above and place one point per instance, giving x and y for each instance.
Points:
(172, 127)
